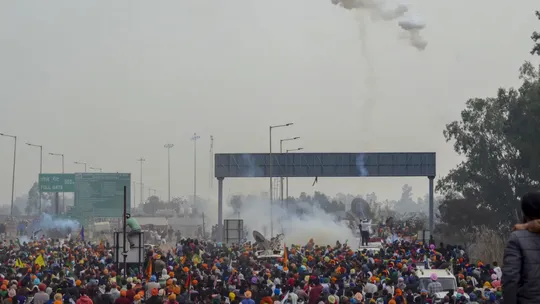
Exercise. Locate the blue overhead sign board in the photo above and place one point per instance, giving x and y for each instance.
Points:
(326, 164)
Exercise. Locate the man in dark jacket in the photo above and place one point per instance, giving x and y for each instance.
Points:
(521, 270)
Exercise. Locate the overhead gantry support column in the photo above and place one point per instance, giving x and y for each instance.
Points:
(431, 206)
(220, 210)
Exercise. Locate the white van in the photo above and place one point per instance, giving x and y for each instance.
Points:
(445, 277)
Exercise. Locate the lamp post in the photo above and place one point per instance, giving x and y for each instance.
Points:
(63, 197)
(194, 138)
(281, 177)
(287, 178)
(141, 160)
(40, 168)
(81, 163)
(96, 169)
(14, 162)
(270, 175)
(169, 147)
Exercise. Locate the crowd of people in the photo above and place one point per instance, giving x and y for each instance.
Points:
(49, 271)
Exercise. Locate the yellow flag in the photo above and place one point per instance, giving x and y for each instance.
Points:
(196, 259)
(40, 261)
(19, 264)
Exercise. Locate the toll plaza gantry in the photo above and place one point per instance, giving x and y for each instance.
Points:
(386, 164)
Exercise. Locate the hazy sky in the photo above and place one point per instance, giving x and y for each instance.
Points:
(107, 82)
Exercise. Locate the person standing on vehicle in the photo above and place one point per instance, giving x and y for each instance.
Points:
(521, 264)
(365, 225)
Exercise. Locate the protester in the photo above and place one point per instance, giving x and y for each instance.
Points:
(521, 265)
(46, 271)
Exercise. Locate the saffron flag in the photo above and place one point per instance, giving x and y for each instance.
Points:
(149, 269)
(82, 234)
(40, 261)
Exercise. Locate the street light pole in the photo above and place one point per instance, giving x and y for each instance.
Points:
(63, 196)
(13, 176)
(169, 147)
(194, 138)
(40, 169)
(81, 163)
(270, 175)
(281, 177)
(141, 160)
(287, 178)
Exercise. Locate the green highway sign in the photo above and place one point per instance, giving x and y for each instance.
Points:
(57, 182)
(102, 194)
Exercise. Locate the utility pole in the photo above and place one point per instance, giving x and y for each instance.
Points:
(40, 171)
(194, 138)
(169, 146)
(287, 178)
(134, 193)
(81, 163)
(63, 197)
(211, 178)
(270, 175)
(203, 228)
(13, 176)
(281, 177)
(141, 160)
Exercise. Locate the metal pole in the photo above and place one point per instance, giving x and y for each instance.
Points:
(281, 175)
(124, 253)
(63, 194)
(431, 213)
(220, 210)
(169, 146)
(40, 171)
(203, 228)
(141, 160)
(169, 175)
(211, 178)
(287, 180)
(271, 187)
(13, 174)
(194, 138)
(134, 194)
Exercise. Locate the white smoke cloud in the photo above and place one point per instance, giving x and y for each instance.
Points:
(47, 221)
(388, 11)
(314, 223)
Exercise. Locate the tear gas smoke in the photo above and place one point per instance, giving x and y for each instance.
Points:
(387, 11)
(298, 229)
(47, 221)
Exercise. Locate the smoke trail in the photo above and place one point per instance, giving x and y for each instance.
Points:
(387, 11)
(370, 79)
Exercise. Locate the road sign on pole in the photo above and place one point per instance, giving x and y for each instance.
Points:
(56, 182)
(102, 192)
